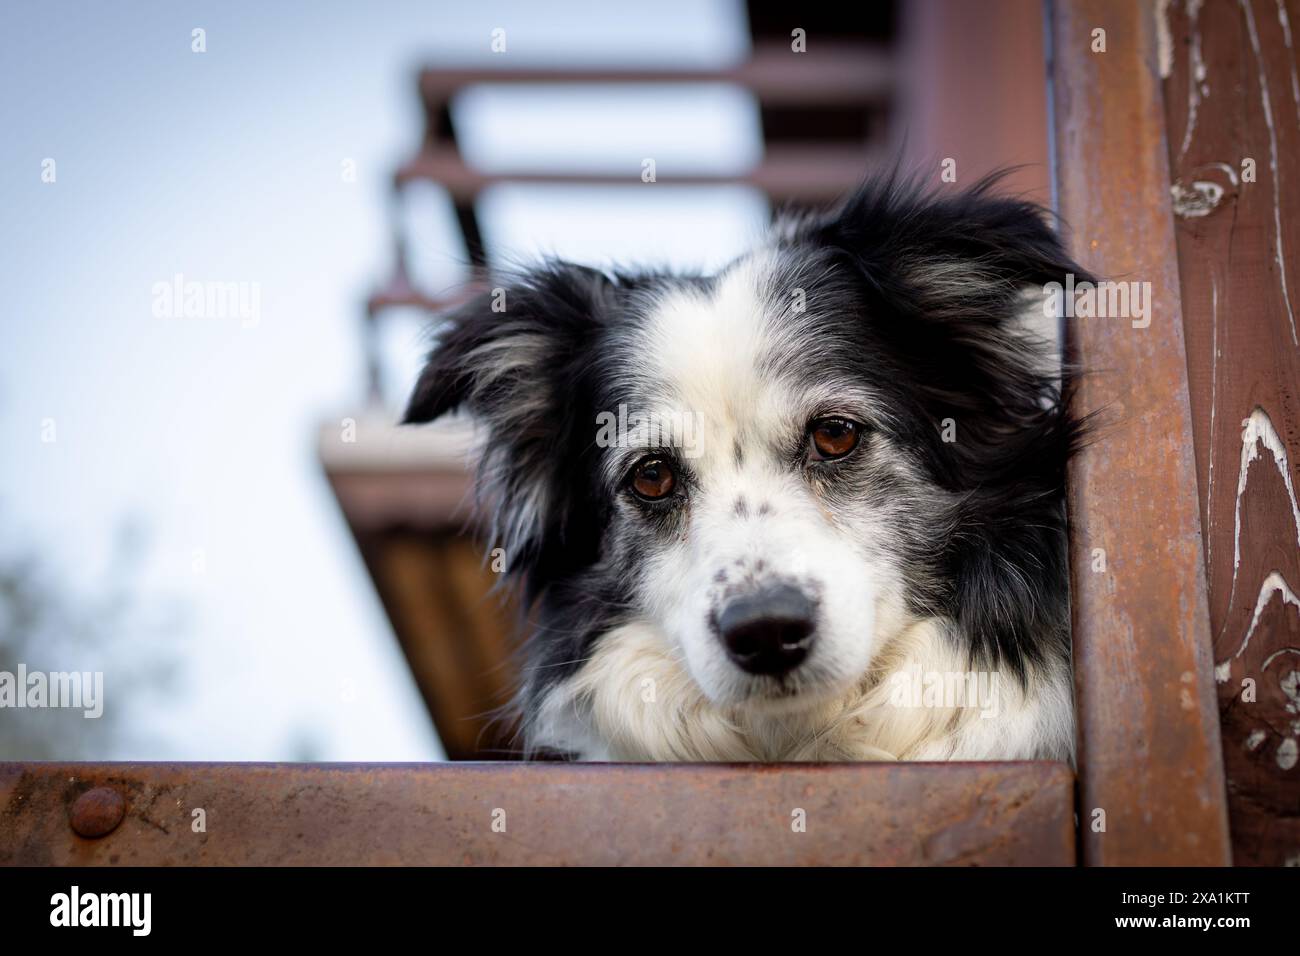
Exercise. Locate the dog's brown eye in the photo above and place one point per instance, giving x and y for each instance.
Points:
(833, 438)
(653, 478)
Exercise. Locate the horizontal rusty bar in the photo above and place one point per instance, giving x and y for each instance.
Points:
(831, 74)
(810, 172)
(598, 814)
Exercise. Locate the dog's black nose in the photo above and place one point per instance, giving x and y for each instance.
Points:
(768, 632)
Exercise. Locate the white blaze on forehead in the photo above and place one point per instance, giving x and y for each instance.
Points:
(707, 356)
(738, 366)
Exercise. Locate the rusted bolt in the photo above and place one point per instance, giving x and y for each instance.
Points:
(97, 812)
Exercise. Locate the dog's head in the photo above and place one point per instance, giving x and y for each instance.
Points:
(777, 466)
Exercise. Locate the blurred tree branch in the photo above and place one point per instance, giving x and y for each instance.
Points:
(49, 622)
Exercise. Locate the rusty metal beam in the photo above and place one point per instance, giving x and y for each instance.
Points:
(1150, 768)
(829, 73)
(257, 814)
(797, 173)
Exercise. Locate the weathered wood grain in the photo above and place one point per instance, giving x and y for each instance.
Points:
(1233, 106)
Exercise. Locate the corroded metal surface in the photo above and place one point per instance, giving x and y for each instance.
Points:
(1150, 768)
(268, 814)
(97, 812)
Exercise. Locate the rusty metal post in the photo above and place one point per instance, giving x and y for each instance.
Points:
(1151, 783)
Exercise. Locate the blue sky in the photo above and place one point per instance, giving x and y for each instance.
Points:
(226, 166)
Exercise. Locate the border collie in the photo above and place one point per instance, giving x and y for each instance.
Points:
(808, 508)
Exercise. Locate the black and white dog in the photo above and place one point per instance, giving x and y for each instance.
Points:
(809, 508)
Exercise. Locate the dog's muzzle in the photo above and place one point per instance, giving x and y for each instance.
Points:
(768, 631)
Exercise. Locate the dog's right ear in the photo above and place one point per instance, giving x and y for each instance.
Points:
(518, 359)
(492, 344)
(496, 349)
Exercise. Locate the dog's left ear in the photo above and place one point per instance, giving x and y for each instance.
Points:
(969, 255)
(518, 359)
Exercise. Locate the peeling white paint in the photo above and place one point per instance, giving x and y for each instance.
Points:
(1203, 196)
(1273, 584)
(1291, 687)
(1199, 199)
(1214, 404)
(1276, 654)
(1164, 40)
(1226, 168)
(1285, 22)
(1255, 739)
(1288, 752)
(1266, 100)
(1256, 430)
(1290, 684)
(1196, 85)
